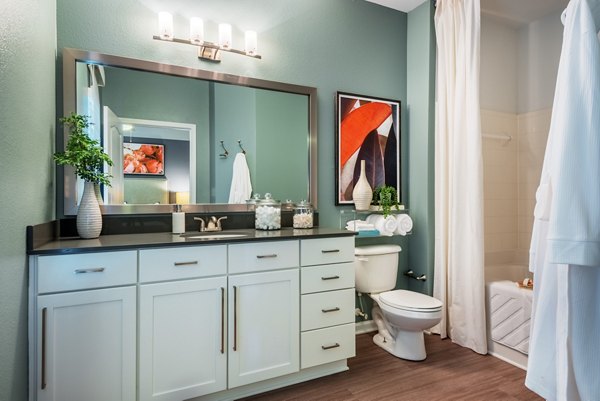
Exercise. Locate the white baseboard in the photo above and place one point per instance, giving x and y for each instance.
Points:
(365, 327)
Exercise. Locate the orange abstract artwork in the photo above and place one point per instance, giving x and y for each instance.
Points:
(368, 129)
(142, 158)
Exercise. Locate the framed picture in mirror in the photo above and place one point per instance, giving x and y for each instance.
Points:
(143, 159)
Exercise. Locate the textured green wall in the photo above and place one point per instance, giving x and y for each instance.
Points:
(27, 123)
(334, 45)
(421, 98)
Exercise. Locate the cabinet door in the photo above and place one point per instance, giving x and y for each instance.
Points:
(263, 326)
(87, 345)
(182, 339)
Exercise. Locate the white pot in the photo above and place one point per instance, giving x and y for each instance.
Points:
(362, 193)
(89, 217)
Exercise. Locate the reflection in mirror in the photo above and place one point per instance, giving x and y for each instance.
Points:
(162, 125)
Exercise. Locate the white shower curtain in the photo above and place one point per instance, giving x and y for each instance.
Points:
(564, 351)
(459, 274)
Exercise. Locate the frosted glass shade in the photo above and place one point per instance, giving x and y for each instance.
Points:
(165, 25)
(225, 36)
(251, 43)
(196, 31)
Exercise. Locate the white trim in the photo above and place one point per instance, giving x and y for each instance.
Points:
(507, 354)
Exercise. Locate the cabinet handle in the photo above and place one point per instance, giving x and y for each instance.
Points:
(330, 310)
(92, 270)
(330, 346)
(272, 255)
(330, 250)
(192, 262)
(222, 320)
(330, 278)
(44, 317)
(234, 318)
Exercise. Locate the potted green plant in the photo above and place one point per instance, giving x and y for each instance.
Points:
(386, 197)
(87, 157)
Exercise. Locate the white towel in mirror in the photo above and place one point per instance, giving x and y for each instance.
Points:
(241, 186)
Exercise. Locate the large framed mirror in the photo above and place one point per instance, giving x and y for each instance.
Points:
(192, 123)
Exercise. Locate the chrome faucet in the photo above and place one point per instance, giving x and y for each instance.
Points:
(214, 224)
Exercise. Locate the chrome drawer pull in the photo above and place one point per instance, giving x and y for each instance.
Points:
(193, 262)
(330, 251)
(330, 310)
(330, 278)
(92, 270)
(330, 346)
(272, 255)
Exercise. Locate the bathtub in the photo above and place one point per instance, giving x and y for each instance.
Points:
(508, 310)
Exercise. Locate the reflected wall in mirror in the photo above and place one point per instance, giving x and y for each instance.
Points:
(189, 112)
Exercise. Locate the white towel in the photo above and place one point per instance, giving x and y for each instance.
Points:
(241, 186)
(405, 223)
(385, 225)
(359, 225)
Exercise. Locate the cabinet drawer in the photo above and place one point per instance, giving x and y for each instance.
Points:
(253, 257)
(327, 277)
(86, 270)
(320, 251)
(327, 345)
(327, 309)
(182, 262)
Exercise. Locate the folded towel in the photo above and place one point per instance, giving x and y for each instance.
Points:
(404, 224)
(368, 233)
(359, 225)
(385, 225)
(241, 186)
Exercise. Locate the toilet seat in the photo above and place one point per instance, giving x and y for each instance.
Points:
(410, 301)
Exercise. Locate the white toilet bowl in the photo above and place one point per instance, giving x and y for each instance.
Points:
(400, 315)
(401, 318)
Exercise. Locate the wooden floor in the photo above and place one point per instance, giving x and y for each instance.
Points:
(449, 373)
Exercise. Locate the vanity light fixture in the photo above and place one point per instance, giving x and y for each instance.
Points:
(206, 50)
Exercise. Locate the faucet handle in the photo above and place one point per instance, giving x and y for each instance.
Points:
(219, 222)
(202, 226)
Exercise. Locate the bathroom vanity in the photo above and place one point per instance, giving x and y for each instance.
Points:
(164, 317)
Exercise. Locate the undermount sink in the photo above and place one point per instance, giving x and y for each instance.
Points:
(216, 235)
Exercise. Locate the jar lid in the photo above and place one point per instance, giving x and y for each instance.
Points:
(254, 200)
(268, 201)
(303, 204)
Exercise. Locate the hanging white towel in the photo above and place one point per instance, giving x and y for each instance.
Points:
(241, 185)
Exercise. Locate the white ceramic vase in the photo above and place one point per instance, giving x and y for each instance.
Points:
(98, 194)
(89, 217)
(362, 193)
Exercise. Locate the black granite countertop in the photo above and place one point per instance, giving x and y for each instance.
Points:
(117, 242)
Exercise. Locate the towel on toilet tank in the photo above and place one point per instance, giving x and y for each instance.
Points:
(404, 224)
(385, 225)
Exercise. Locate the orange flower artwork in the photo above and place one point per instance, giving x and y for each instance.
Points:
(142, 158)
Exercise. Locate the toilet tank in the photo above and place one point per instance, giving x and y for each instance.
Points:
(376, 267)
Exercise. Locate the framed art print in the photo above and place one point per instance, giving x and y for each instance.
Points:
(367, 128)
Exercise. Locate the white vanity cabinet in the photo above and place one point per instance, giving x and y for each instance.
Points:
(263, 311)
(182, 322)
(327, 301)
(85, 335)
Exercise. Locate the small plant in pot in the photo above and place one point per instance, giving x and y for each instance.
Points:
(386, 197)
(87, 157)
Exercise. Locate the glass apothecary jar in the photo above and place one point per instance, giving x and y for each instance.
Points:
(267, 214)
(303, 215)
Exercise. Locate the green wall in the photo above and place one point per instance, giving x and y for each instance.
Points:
(27, 124)
(421, 98)
(334, 45)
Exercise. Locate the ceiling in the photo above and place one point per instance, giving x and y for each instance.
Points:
(516, 12)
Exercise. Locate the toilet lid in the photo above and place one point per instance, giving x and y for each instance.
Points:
(410, 300)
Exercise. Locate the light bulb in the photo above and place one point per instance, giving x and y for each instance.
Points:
(165, 25)
(251, 43)
(225, 36)
(196, 31)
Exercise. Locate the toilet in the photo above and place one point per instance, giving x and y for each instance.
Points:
(400, 315)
